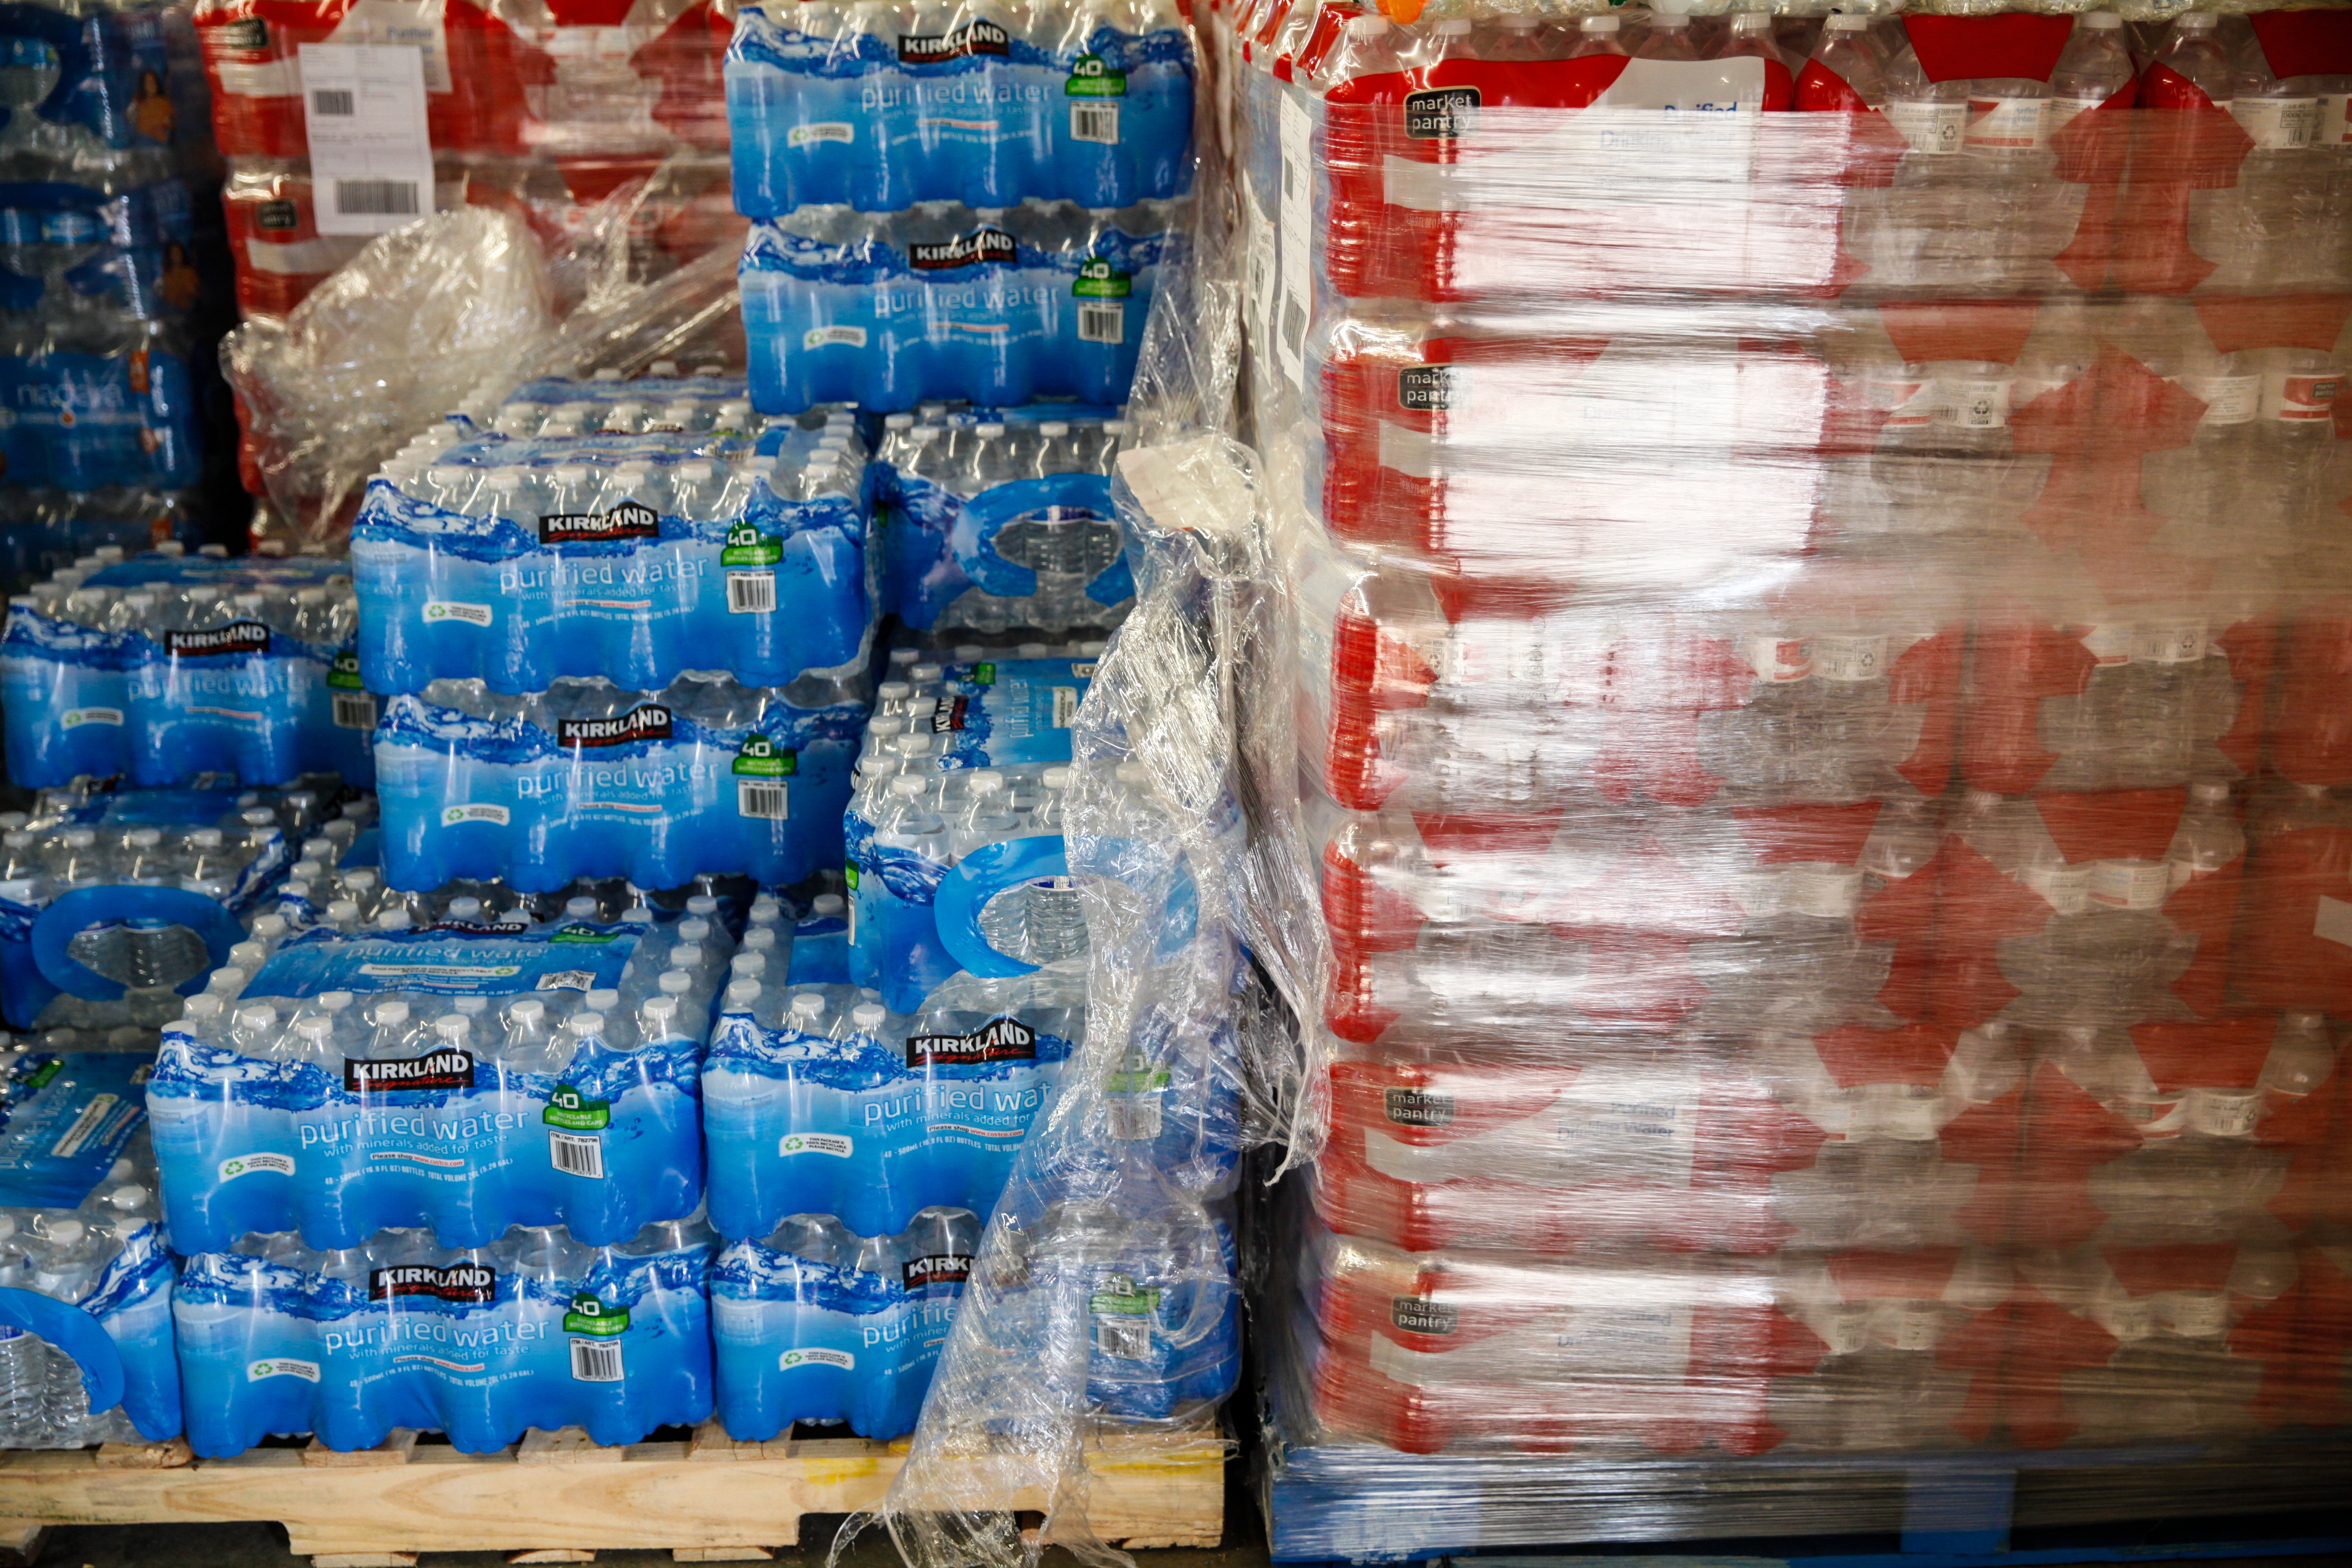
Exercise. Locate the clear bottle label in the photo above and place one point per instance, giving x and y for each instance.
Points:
(2198, 1315)
(2006, 124)
(2277, 124)
(2129, 1320)
(1778, 659)
(1908, 401)
(1915, 1325)
(2065, 889)
(2168, 642)
(1825, 892)
(1848, 658)
(2057, 114)
(1929, 125)
(2224, 1112)
(2333, 121)
(2228, 399)
(1975, 403)
(2301, 397)
(2110, 643)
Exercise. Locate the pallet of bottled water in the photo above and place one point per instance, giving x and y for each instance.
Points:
(458, 1062)
(583, 551)
(161, 665)
(999, 305)
(995, 521)
(531, 1328)
(813, 1321)
(43, 531)
(881, 106)
(85, 1277)
(706, 775)
(113, 901)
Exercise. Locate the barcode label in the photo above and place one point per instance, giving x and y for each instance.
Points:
(750, 593)
(1065, 706)
(1093, 122)
(762, 798)
(1102, 322)
(376, 198)
(595, 1361)
(1128, 1339)
(334, 100)
(577, 1154)
(355, 710)
(568, 980)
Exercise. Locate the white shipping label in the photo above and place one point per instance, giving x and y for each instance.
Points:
(1929, 125)
(2277, 124)
(371, 159)
(2335, 921)
(2006, 124)
(405, 24)
(2228, 399)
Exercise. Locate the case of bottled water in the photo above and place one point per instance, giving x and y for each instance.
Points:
(999, 305)
(879, 106)
(161, 665)
(452, 1074)
(85, 1275)
(629, 557)
(955, 855)
(532, 1328)
(114, 904)
(587, 779)
(818, 1100)
(811, 1323)
(994, 520)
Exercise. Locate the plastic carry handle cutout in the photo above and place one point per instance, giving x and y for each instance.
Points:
(75, 913)
(979, 876)
(74, 1331)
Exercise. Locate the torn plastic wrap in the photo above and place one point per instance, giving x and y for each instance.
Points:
(1103, 1305)
(1798, 745)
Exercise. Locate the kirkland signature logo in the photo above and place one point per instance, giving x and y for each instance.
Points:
(650, 722)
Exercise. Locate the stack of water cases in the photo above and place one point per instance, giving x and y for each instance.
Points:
(115, 904)
(435, 1160)
(113, 282)
(162, 666)
(85, 1278)
(859, 1130)
(626, 638)
(954, 201)
(1814, 553)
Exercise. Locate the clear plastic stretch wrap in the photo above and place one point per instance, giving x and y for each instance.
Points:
(1103, 1306)
(1800, 757)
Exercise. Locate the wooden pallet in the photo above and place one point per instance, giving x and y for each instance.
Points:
(556, 1497)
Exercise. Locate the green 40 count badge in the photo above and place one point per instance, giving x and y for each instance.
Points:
(590, 1316)
(1091, 76)
(747, 546)
(567, 1108)
(758, 757)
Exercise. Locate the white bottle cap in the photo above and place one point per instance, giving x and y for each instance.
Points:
(392, 1013)
(907, 786)
(742, 992)
(827, 905)
(452, 1026)
(336, 1001)
(585, 1023)
(67, 1232)
(1843, 21)
(674, 982)
(868, 1016)
(602, 1000)
(529, 1010)
(1608, 24)
(255, 1019)
(2101, 21)
(809, 1004)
